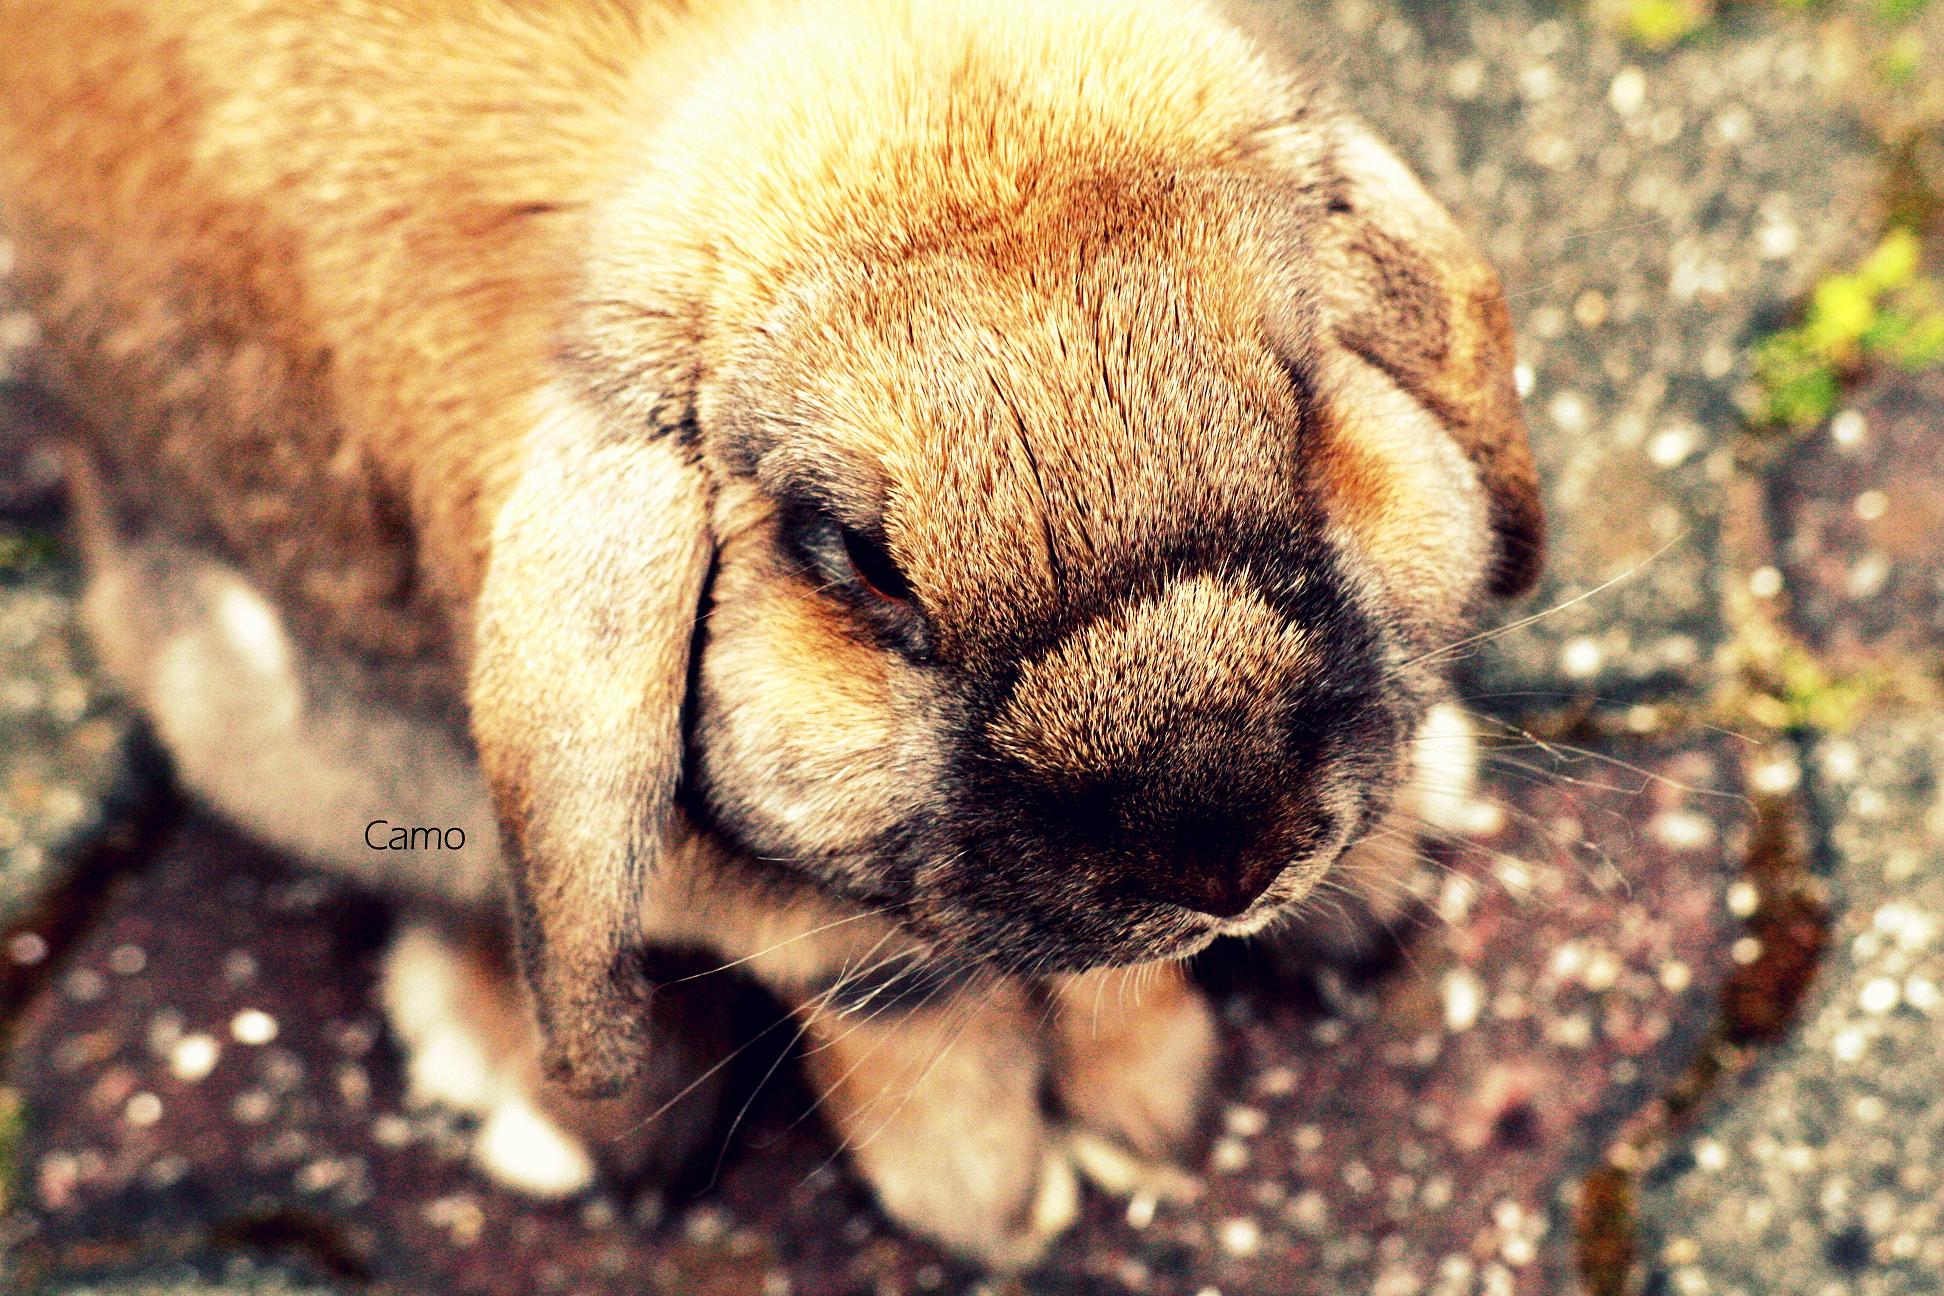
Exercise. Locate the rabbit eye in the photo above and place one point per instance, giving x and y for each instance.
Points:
(874, 567)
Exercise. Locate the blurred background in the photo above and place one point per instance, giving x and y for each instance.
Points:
(1672, 1019)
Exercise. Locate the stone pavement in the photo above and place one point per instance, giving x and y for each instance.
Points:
(1829, 1169)
(1669, 1021)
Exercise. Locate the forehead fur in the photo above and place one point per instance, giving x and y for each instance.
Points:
(874, 124)
(1041, 409)
(1022, 283)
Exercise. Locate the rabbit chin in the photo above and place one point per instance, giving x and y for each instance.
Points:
(1152, 933)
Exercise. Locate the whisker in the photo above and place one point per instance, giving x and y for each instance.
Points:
(1486, 635)
(788, 941)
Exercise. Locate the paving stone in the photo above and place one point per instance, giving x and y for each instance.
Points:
(1649, 214)
(1859, 509)
(190, 1287)
(67, 748)
(1421, 1126)
(1826, 1175)
(30, 470)
(238, 1277)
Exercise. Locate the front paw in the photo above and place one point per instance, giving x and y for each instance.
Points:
(1133, 1052)
(470, 1046)
(939, 1110)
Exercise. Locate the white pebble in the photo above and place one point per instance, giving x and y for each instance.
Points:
(143, 1110)
(1777, 775)
(1880, 996)
(1464, 996)
(1581, 658)
(1276, 1081)
(1868, 577)
(1602, 970)
(1682, 830)
(253, 1026)
(1241, 1237)
(193, 1057)
(1245, 1122)
(1671, 446)
(1628, 91)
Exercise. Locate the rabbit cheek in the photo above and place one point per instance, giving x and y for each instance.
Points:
(1404, 499)
(806, 745)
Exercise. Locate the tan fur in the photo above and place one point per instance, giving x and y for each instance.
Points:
(1234, 652)
(496, 349)
(953, 1077)
(471, 1043)
(1124, 1040)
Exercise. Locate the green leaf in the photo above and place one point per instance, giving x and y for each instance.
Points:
(1894, 263)
(1658, 24)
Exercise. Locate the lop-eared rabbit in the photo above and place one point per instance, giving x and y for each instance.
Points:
(951, 505)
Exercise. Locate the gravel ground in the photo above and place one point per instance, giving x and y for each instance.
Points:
(65, 746)
(1826, 1175)
(210, 1056)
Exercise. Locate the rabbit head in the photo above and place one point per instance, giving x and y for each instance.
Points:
(1026, 505)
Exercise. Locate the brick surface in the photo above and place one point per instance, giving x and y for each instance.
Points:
(1418, 1129)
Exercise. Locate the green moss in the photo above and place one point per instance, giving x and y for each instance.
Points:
(1897, 11)
(1899, 65)
(24, 551)
(1658, 24)
(12, 1125)
(1885, 311)
(1819, 700)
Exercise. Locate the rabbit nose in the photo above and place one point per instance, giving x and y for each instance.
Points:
(1225, 893)
(1212, 863)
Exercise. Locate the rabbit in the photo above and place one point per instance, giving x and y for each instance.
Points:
(949, 506)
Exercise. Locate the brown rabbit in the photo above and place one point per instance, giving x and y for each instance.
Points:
(936, 500)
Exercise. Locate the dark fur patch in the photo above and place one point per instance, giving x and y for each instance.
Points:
(1407, 331)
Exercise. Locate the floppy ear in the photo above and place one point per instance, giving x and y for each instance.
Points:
(580, 669)
(1407, 292)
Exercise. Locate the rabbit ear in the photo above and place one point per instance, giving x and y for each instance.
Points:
(580, 670)
(1414, 299)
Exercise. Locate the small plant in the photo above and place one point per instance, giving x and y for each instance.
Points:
(1884, 311)
(12, 1123)
(1896, 11)
(1660, 24)
(25, 551)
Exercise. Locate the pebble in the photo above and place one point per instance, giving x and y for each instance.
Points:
(253, 1026)
(193, 1057)
(1240, 1236)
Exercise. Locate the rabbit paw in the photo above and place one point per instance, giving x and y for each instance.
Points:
(939, 1110)
(470, 1045)
(454, 1059)
(1133, 1049)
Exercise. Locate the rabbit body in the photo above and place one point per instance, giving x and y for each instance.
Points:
(943, 503)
